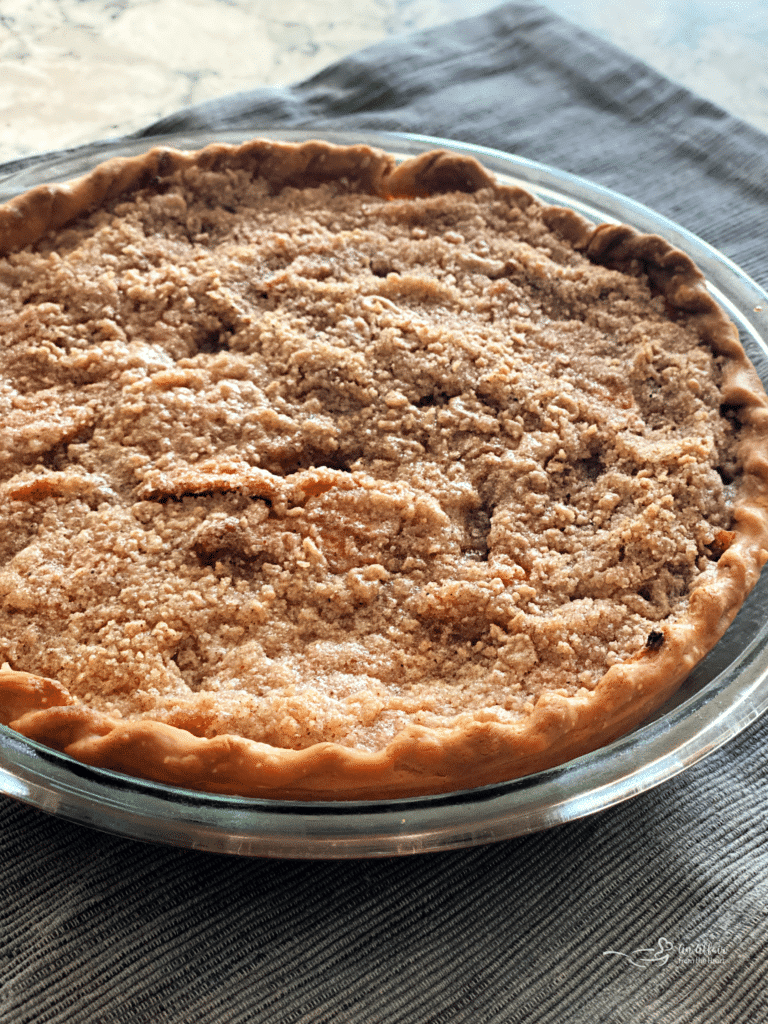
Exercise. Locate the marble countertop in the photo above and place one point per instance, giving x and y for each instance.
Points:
(74, 71)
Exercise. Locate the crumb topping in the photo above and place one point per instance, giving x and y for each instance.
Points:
(316, 465)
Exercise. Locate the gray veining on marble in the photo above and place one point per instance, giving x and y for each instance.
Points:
(72, 71)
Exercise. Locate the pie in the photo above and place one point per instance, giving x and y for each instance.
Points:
(328, 477)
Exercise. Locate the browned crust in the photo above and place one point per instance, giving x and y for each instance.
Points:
(419, 760)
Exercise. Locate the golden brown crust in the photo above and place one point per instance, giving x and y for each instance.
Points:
(419, 759)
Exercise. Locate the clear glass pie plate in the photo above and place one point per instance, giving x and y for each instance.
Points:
(725, 693)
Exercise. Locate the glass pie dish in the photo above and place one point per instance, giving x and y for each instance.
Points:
(725, 692)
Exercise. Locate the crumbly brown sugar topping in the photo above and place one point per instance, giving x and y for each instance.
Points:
(315, 465)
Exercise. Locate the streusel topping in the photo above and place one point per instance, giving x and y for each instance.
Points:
(314, 465)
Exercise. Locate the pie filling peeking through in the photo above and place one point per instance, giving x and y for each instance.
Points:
(327, 478)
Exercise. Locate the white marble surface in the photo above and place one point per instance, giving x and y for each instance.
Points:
(73, 71)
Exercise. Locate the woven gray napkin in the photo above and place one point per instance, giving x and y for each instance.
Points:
(652, 912)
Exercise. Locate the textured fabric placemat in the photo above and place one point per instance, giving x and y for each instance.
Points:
(653, 911)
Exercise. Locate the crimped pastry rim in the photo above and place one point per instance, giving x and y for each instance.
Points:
(419, 760)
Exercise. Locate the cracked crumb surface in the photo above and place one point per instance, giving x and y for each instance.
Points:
(316, 465)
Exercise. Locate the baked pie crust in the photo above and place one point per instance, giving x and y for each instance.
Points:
(328, 478)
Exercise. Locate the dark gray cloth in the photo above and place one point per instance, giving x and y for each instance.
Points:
(547, 928)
